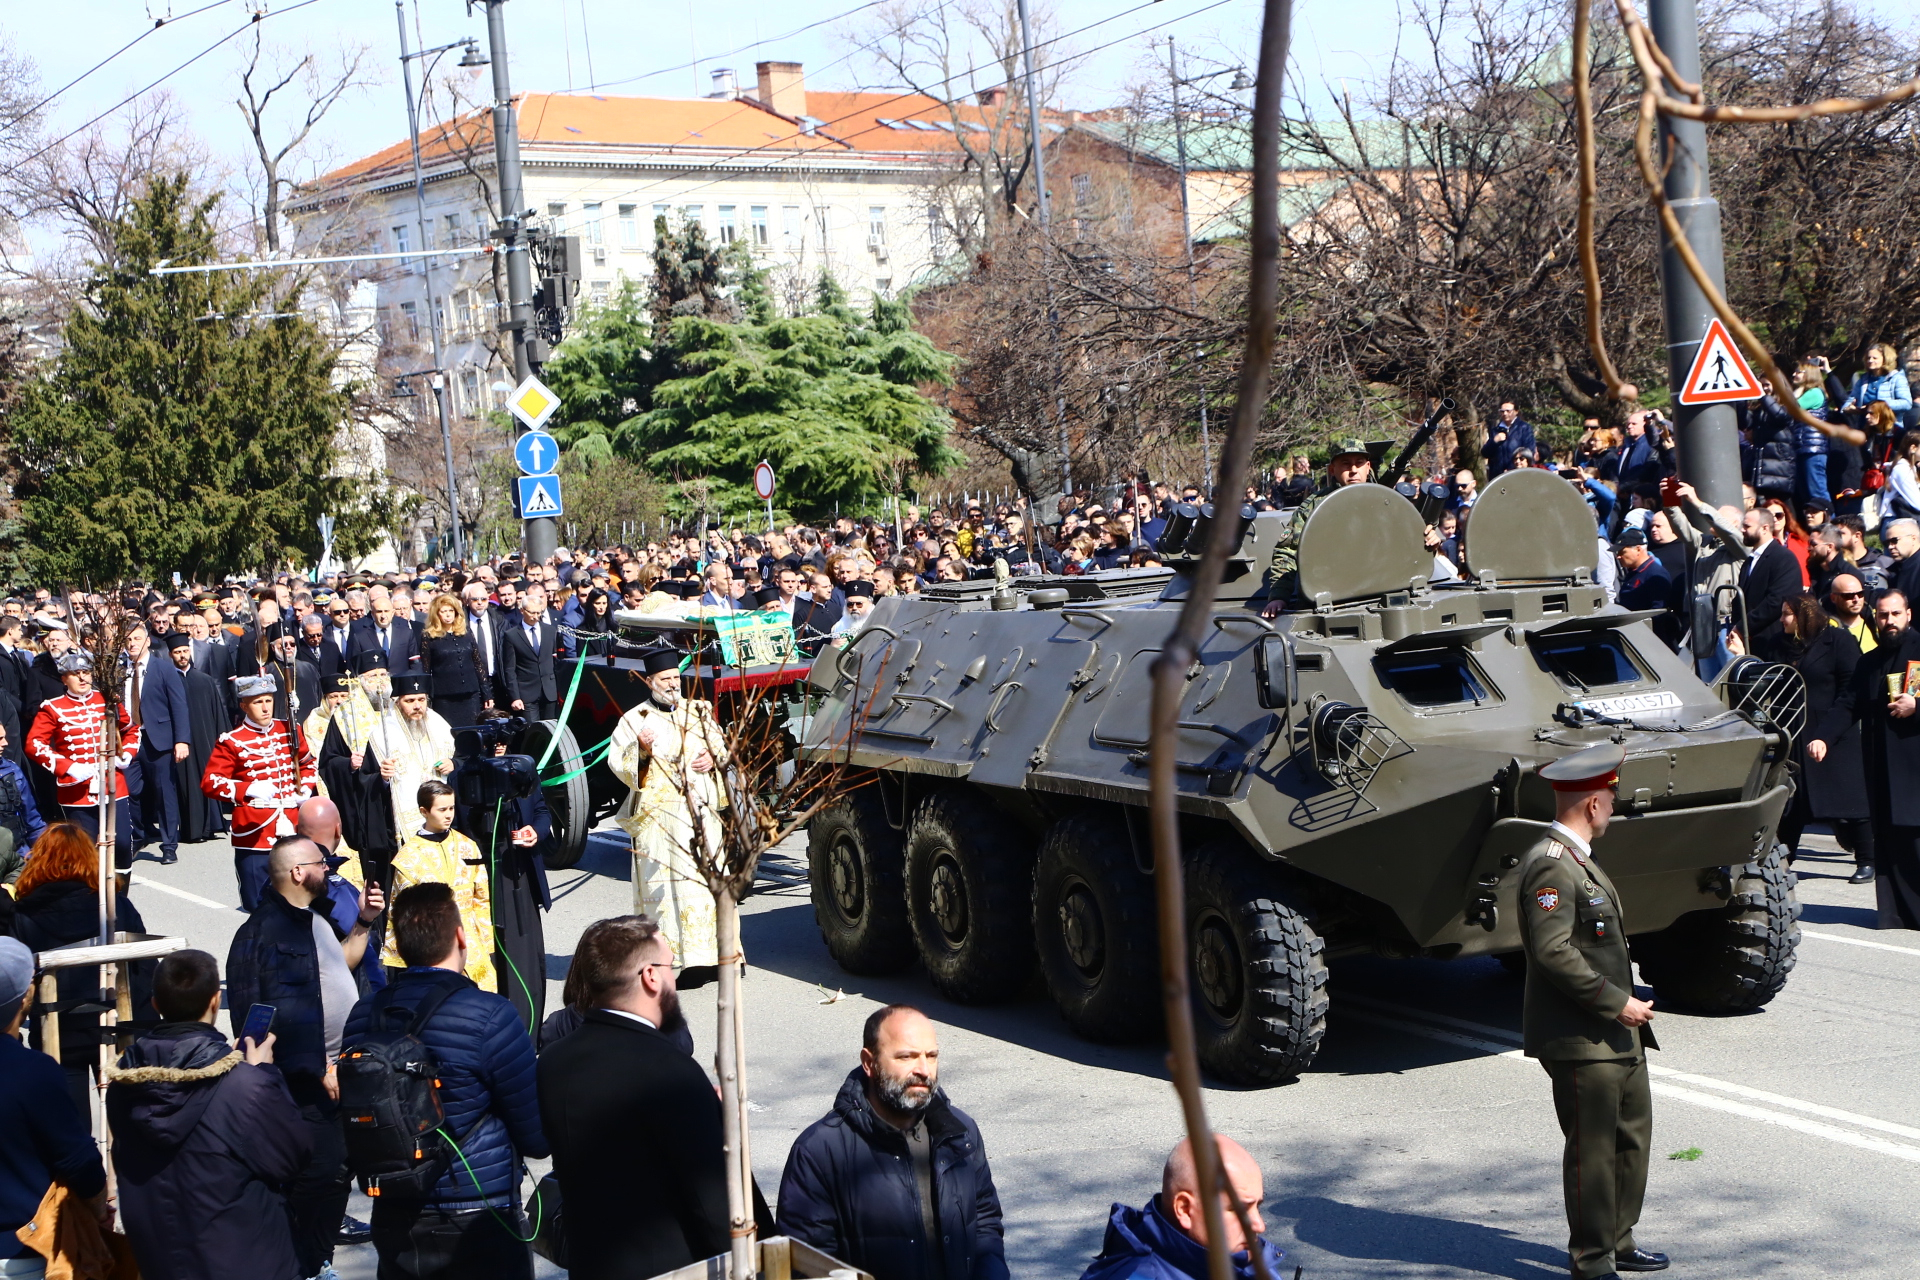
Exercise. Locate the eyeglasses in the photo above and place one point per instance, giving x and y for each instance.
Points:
(1849, 595)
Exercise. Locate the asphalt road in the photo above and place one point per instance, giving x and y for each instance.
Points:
(1420, 1144)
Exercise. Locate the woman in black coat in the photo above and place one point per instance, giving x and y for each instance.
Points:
(594, 631)
(455, 678)
(1834, 790)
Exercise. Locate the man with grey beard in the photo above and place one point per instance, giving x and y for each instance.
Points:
(894, 1180)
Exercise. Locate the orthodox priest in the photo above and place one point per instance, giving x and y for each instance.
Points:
(350, 775)
(263, 768)
(200, 817)
(415, 745)
(670, 751)
(512, 836)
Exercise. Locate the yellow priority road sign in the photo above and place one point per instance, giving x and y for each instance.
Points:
(533, 402)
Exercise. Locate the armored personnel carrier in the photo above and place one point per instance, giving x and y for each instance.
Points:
(1355, 777)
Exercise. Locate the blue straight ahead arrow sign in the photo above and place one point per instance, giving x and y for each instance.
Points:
(536, 452)
(539, 496)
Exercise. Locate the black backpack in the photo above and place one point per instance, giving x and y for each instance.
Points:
(390, 1100)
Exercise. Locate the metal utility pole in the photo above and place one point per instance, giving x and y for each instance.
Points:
(1708, 435)
(539, 535)
(426, 265)
(1186, 239)
(1046, 219)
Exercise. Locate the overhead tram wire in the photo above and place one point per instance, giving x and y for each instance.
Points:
(158, 23)
(902, 97)
(74, 133)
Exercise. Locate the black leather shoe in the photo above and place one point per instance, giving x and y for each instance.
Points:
(1863, 876)
(1640, 1260)
(168, 859)
(354, 1231)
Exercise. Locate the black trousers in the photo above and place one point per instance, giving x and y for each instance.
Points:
(458, 712)
(417, 1242)
(156, 804)
(250, 870)
(1852, 833)
(87, 818)
(519, 934)
(318, 1193)
(1897, 882)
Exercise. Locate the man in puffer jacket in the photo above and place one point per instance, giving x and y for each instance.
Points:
(470, 1226)
(895, 1179)
(1167, 1240)
(204, 1135)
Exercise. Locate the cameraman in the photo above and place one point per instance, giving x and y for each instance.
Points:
(503, 811)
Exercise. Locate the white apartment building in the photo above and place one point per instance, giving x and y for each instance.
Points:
(810, 180)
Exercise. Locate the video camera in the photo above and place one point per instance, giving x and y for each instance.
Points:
(482, 779)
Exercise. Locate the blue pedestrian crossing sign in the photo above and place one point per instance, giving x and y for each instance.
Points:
(539, 497)
(536, 452)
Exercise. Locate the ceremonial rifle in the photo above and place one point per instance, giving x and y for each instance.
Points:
(1393, 474)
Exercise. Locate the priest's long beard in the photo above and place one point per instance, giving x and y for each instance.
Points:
(664, 701)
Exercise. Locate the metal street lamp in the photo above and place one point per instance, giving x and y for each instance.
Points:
(471, 58)
(1240, 83)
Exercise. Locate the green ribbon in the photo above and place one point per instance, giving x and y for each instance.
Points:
(566, 710)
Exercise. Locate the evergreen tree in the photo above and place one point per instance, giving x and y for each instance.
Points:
(831, 400)
(180, 429)
(604, 372)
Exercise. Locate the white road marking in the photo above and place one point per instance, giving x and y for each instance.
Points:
(1661, 1076)
(1859, 942)
(182, 893)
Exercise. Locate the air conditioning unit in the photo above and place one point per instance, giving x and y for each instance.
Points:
(878, 246)
(599, 255)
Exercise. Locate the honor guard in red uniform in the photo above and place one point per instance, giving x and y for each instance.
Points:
(66, 741)
(264, 769)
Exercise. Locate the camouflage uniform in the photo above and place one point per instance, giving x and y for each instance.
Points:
(1283, 583)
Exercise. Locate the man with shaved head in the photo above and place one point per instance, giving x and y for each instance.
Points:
(290, 956)
(894, 1180)
(1167, 1239)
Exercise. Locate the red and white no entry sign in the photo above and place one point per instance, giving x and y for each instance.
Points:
(763, 481)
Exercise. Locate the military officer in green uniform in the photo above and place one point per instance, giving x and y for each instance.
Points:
(1351, 463)
(1583, 1022)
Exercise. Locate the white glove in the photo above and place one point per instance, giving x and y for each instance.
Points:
(261, 791)
(79, 773)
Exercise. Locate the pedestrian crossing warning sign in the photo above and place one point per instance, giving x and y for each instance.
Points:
(1720, 373)
(539, 496)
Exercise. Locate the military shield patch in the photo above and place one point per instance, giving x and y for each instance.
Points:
(1547, 899)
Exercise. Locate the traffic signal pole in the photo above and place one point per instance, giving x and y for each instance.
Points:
(541, 535)
(1708, 436)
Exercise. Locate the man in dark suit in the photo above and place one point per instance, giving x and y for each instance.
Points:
(526, 658)
(486, 625)
(1770, 575)
(394, 636)
(617, 1086)
(340, 623)
(1903, 541)
(166, 735)
(317, 649)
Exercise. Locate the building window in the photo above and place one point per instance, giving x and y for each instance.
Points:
(726, 227)
(452, 221)
(823, 224)
(877, 226)
(600, 289)
(470, 391)
(1082, 189)
(402, 241)
(463, 313)
(479, 224)
(662, 211)
(592, 215)
(693, 214)
(410, 321)
(936, 231)
(440, 313)
(629, 227)
(557, 217)
(758, 213)
(792, 230)
(426, 235)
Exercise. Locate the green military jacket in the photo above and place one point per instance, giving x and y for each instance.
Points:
(1579, 975)
(1283, 583)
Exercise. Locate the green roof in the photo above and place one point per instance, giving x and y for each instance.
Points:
(1226, 146)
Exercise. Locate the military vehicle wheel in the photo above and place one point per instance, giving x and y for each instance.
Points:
(1256, 967)
(1735, 958)
(969, 895)
(568, 801)
(857, 870)
(1093, 929)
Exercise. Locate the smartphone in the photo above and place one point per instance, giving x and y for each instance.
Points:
(259, 1022)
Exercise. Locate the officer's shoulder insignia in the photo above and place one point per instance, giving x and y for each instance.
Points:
(1547, 899)
(1553, 851)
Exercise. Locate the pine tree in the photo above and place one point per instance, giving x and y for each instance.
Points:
(180, 428)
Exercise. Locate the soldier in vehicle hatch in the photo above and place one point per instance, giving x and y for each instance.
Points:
(1351, 463)
(1583, 1022)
